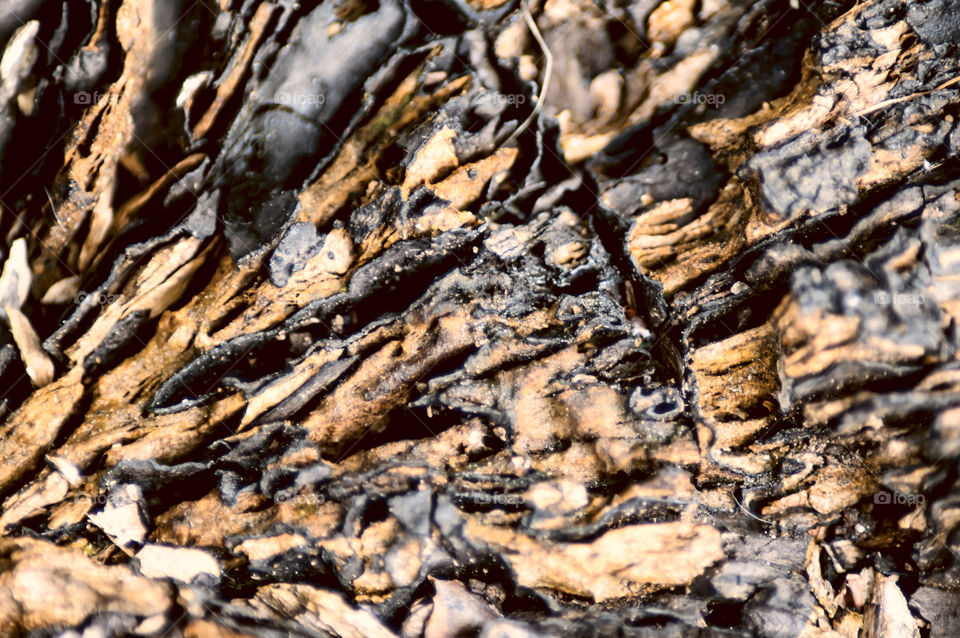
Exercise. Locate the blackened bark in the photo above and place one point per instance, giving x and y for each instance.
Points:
(480, 318)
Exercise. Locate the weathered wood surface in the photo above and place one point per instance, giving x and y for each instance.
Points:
(303, 330)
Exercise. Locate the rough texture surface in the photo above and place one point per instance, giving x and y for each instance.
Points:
(354, 318)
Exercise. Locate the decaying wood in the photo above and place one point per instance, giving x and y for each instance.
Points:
(303, 333)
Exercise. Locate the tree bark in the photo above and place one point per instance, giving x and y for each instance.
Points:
(480, 318)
